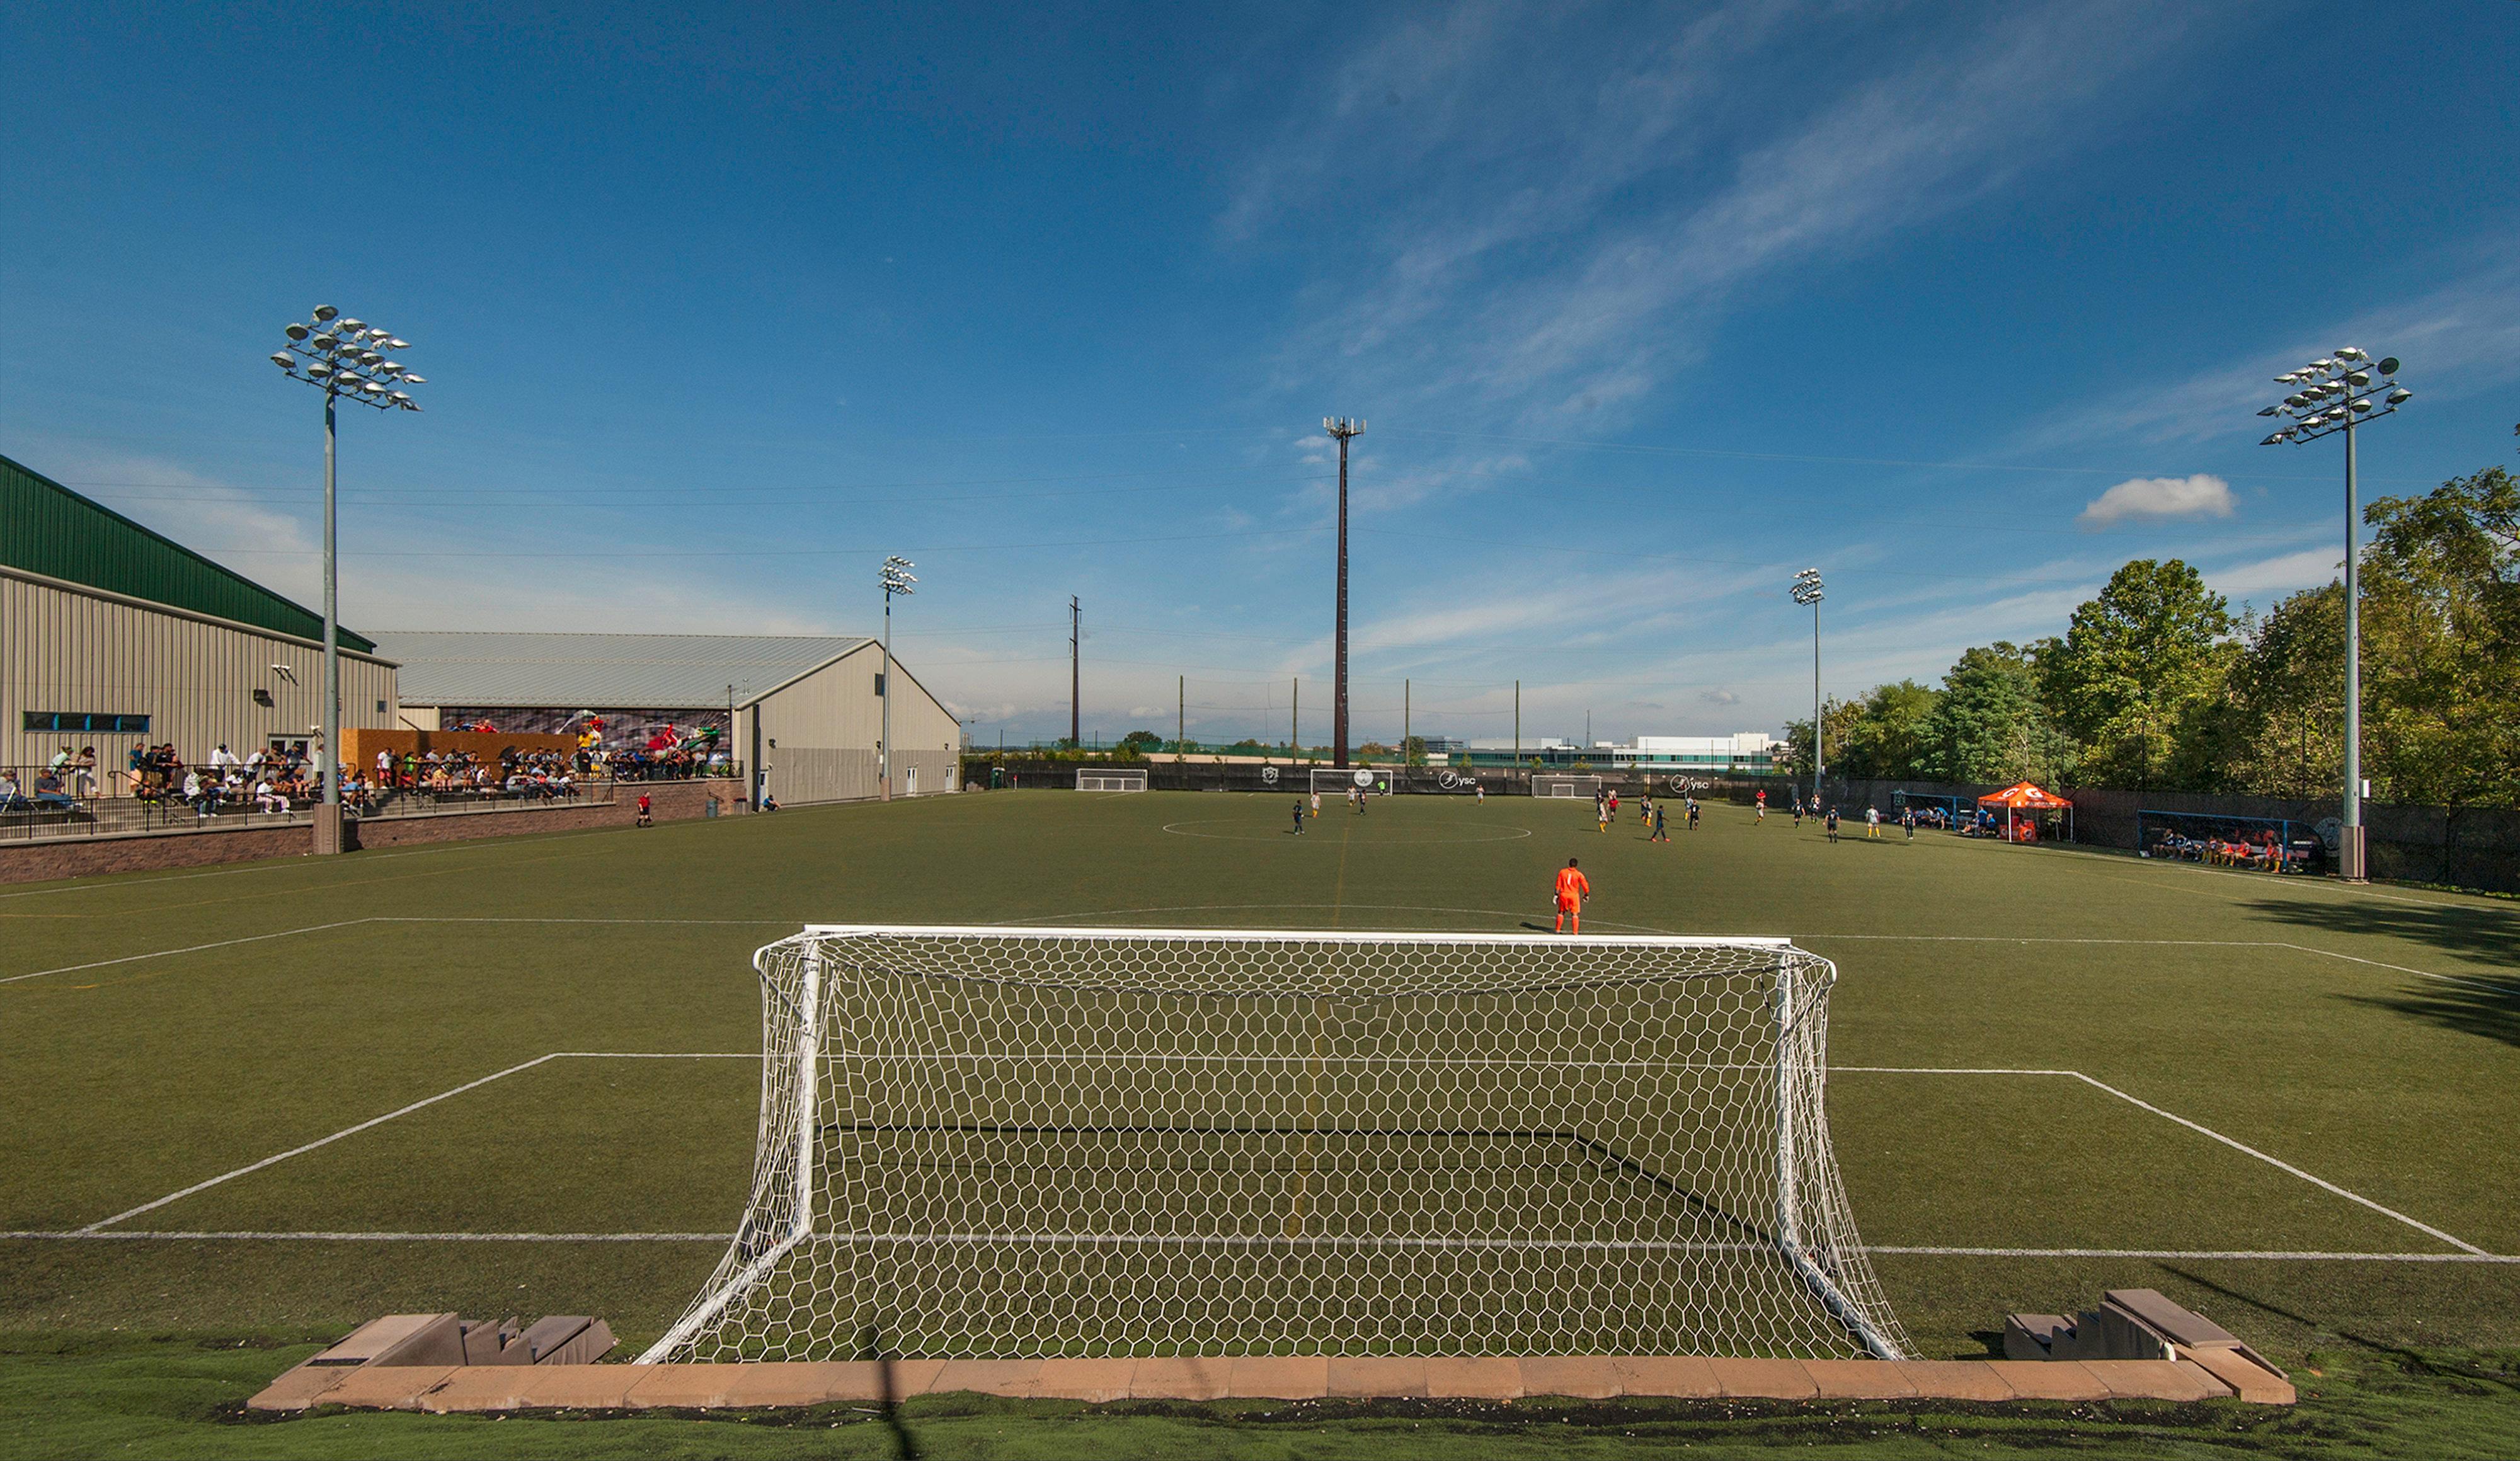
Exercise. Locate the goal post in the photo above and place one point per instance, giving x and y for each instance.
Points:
(1110, 778)
(1543, 784)
(994, 1143)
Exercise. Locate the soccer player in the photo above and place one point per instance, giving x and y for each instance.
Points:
(1871, 824)
(1614, 805)
(645, 810)
(1481, 788)
(1601, 812)
(1907, 819)
(1763, 808)
(1299, 815)
(1573, 893)
(1832, 824)
(1660, 833)
(1798, 813)
(1317, 801)
(1693, 814)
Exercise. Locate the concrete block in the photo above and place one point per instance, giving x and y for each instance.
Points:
(2247, 1378)
(1668, 1376)
(1474, 1379)
(298, 1388)
(438, 1340)
(1858, 1379)
(2156, 1380)
(1956, 1379)
(1281, 1377)
(378, 1336)
(910, 1376)
(1576, 1377)
(1767, 1379)
(522, 1386)
(2179, 1324)
(988, 1377)
(2049, 1379)
(380, 1387)
(2034, 1336)
(1363, 1377)
(1182, 1378)
(1096, 1380)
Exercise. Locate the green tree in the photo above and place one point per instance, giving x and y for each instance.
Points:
(1138, 744)
(1989, 726)
(2280, 730)
(1887, 738)
(2136, 664)
(2441, 643)
(1841, 717)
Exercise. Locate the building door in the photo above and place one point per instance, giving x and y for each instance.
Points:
(914, 781)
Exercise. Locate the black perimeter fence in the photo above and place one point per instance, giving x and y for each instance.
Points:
(2471, 846)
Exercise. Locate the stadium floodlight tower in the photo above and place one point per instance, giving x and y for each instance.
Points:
(1341, 430)
(1808, 589)
(2331, 395)
(896, 579)
(345, 358)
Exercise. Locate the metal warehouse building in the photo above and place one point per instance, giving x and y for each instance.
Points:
(113, 636)
(804, 711)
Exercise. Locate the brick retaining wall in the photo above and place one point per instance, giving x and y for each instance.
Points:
(84, 857)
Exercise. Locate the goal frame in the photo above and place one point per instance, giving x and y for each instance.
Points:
(1572, 781)
(1800, 1134)
(1130, 778)
(1343, 779)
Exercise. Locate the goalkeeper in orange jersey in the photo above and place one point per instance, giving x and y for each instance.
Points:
(1573, 893)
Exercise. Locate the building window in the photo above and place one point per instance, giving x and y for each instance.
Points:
(83, 721)
(879, 684)
(381, 708)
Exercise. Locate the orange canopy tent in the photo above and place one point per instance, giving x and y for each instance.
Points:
(2023, 796)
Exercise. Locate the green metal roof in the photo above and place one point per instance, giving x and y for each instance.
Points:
(47, 528)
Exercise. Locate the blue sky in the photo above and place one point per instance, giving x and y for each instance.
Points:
(1647, 307)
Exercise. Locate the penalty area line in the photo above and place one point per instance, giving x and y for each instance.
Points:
(1893, 1250)
(96, 1228)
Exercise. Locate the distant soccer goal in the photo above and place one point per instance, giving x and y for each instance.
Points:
(982, 1142)
(1566, 786)
(1106, 779)
(1327, 780)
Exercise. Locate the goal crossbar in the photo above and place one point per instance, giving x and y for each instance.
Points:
(1110, 778)
(994, 1142)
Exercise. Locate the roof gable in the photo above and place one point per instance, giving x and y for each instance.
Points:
(47, 528)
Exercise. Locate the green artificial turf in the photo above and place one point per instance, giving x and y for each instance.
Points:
(2291, 1016)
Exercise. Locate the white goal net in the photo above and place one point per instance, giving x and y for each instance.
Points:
(1104, 779)
(1566, 786)
(1011, 1144)
(1334, 781)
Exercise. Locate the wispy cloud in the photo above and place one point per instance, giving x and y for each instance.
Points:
(2151, 497)
(2306, 568)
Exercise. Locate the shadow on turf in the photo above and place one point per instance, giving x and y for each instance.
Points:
(2457, 927)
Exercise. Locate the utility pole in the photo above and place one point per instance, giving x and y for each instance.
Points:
(1403, 725)
(1075, 676)
(1517, 725)
(1342, 428)
(1295, 718)
(1181, 710)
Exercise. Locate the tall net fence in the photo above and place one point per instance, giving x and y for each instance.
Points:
(985, 1143)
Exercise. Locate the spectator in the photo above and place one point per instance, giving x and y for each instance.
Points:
(49, 793)
(10, 801)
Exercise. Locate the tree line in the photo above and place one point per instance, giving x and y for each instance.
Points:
(2157, 683)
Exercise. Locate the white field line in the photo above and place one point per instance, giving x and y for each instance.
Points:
(422, 1104)
(2304, 949)
(168, 953)
(95, 1229)
(2280, 1256)
(2198, 1127)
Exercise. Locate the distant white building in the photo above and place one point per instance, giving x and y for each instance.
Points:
(1743, 751)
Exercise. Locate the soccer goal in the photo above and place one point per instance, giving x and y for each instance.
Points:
(987, 1143)
(1566, 786)
(1329, 780)
(1106, 779)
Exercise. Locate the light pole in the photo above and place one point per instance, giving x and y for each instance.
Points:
(896, 580)
(342, 358)
(2331, 395)
(1341, 429)
(1808, 589)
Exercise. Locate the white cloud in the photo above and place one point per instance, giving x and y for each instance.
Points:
(2306, 568)
(2199, 496)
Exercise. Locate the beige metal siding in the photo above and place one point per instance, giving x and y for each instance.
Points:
(827, 725)
(65, 648)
